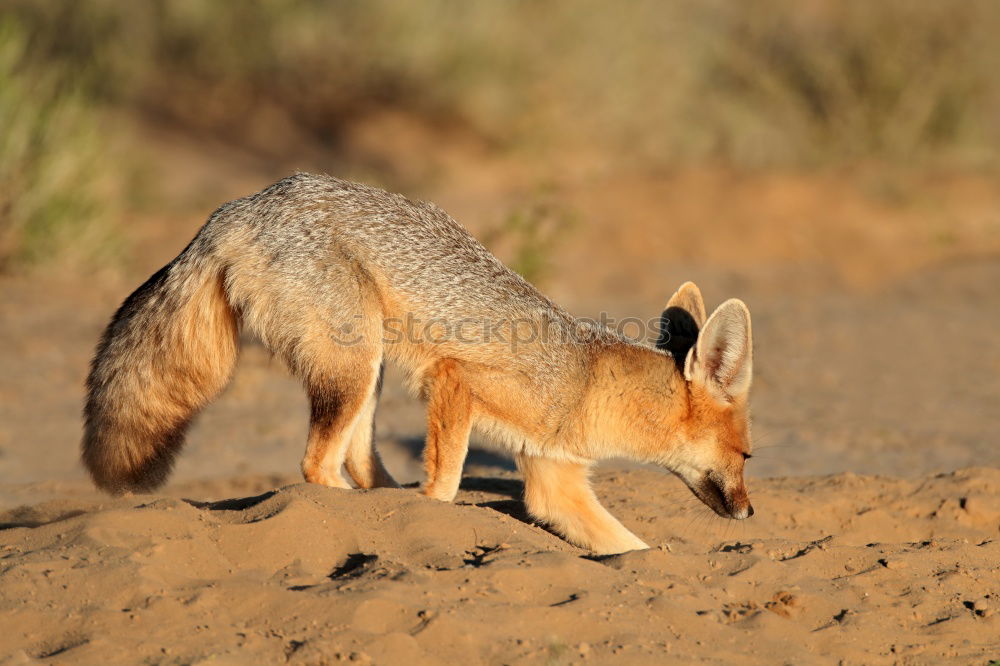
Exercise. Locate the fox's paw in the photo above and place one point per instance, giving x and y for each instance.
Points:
(438, 493)
(616, 546)
(320, 476)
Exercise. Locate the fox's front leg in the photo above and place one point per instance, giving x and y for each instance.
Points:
(558, 493)
(449, 422)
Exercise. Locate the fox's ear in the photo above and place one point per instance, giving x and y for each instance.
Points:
(680, 321)
(688, 298)
(722, 359)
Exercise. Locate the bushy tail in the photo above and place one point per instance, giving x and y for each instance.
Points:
(169, 349)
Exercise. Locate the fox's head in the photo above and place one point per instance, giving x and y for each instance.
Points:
(715, 357)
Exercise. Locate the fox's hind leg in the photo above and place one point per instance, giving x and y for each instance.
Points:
(449, 423)
(363, 462)
(325, 320)
(558, 493)
(340, 387)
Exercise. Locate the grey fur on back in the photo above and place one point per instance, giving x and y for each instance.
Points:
(319, 239)
(415, 246)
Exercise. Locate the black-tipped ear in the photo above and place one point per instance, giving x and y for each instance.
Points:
(678, 333)
(681, 321)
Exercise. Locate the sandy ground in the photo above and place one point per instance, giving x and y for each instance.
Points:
(851, 568)
(876, 474)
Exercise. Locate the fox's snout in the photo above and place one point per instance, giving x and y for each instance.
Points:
(727, 501)
(739, 504)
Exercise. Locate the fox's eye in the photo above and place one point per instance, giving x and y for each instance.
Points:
(747, 456)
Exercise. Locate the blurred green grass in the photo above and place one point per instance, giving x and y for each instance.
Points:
(527, 235)
(51, 159)
(650, 84)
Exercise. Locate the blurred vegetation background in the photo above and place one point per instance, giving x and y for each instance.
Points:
(647, 85)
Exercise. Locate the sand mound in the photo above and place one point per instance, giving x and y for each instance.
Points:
(857, 568)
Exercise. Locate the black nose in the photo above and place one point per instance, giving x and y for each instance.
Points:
(749, 510)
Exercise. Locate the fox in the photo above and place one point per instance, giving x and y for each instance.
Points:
(316, 268)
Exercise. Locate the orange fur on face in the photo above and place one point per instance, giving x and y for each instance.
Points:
(721, 435)
(728, 423)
